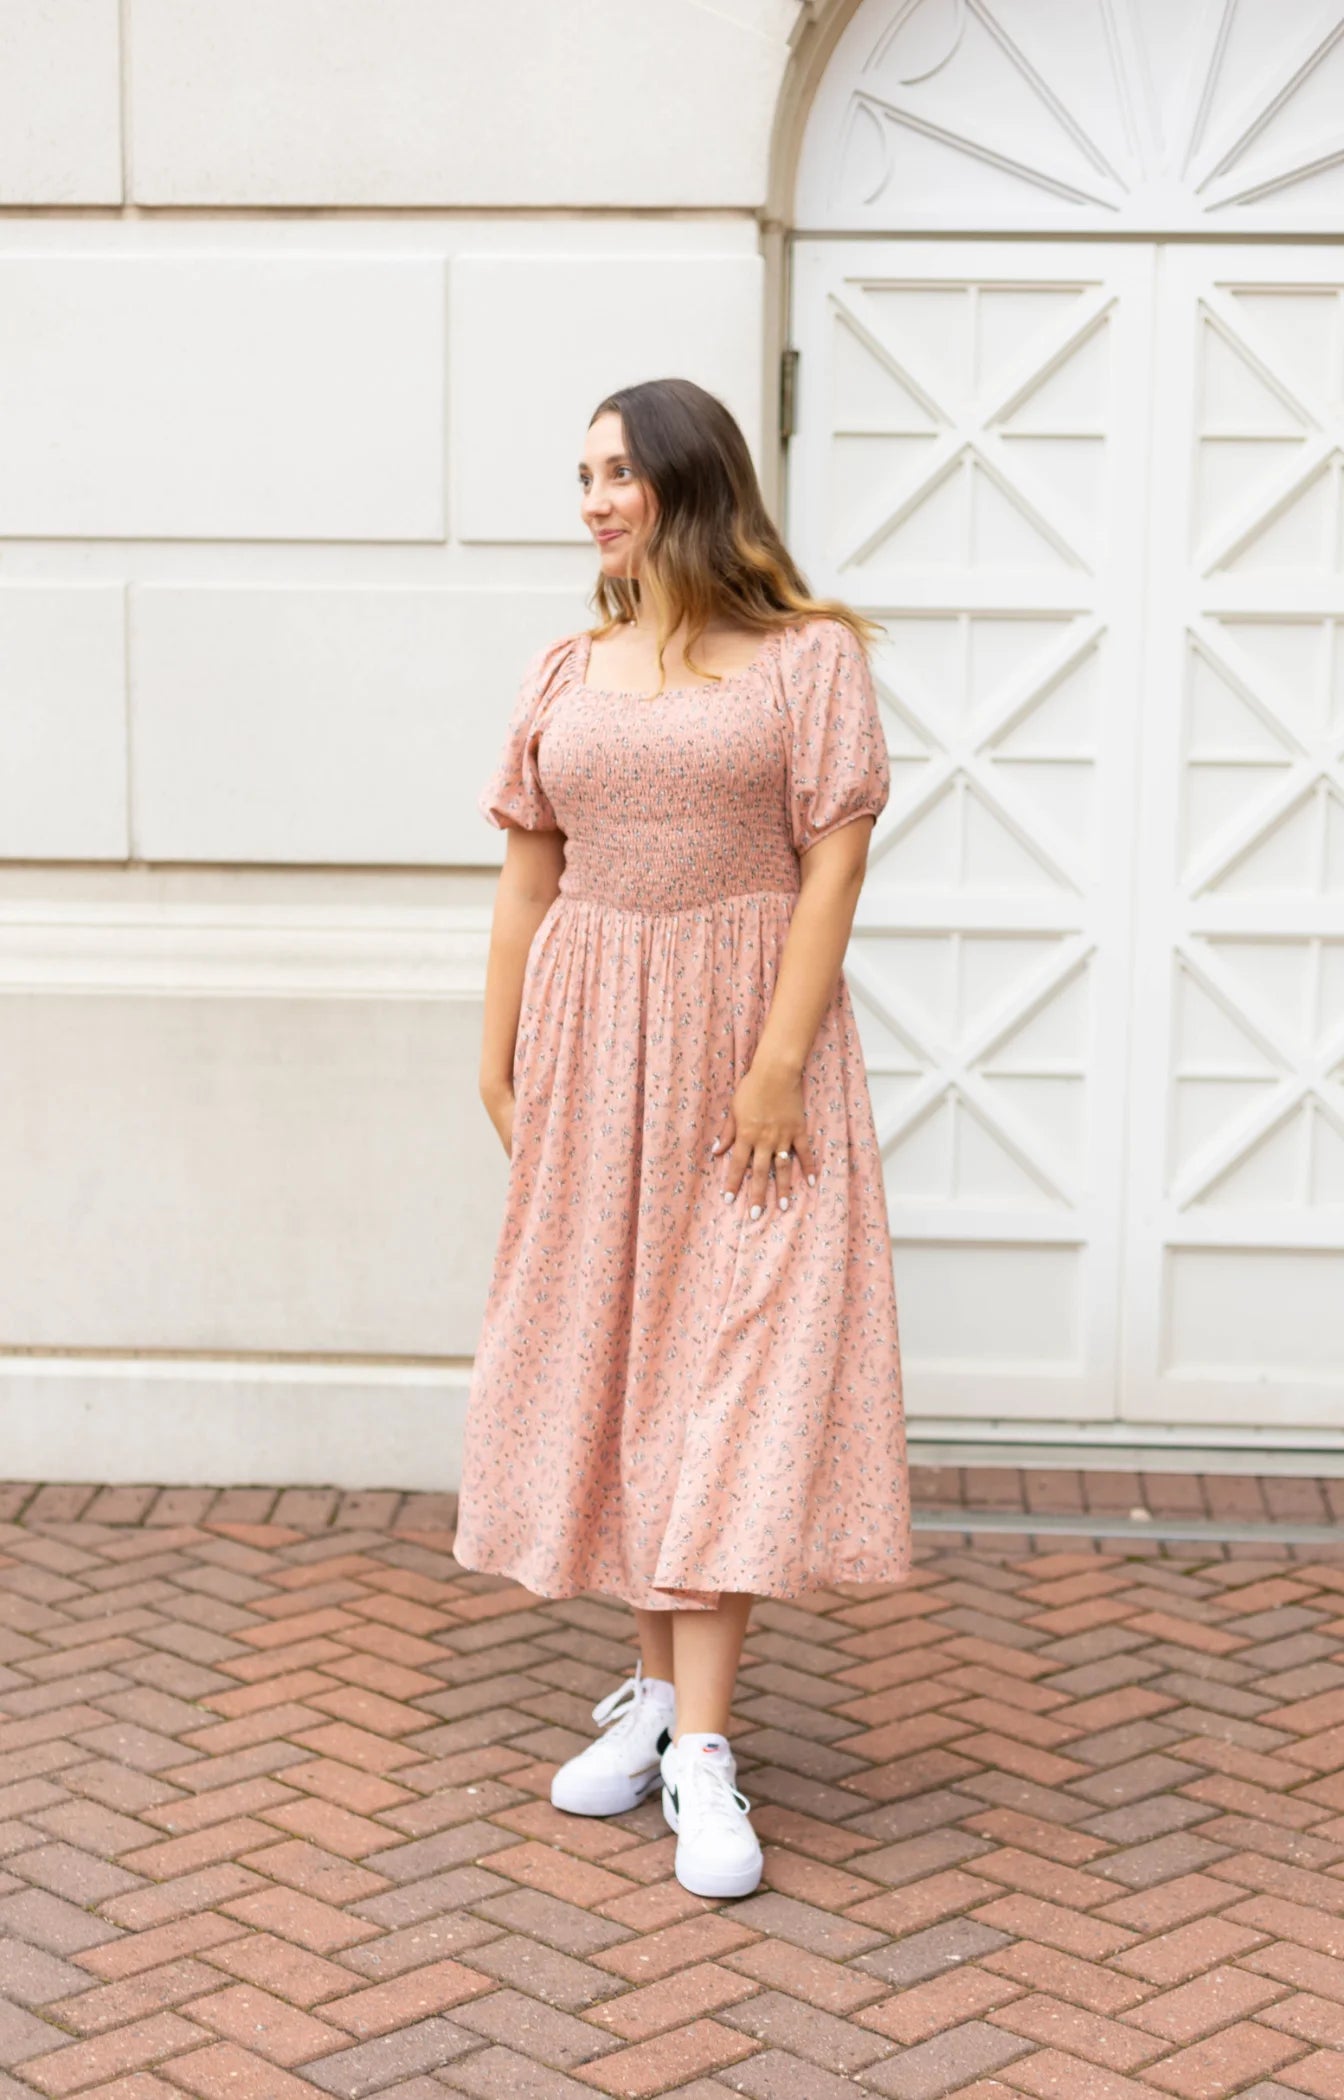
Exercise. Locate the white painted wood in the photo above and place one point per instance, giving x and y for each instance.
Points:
(1235, 1277)
(538, 340)
(221, 397)
(60, 102)
(63, 754)
(414, 102)
(969, 468)
(334, 726)
(1088, 116)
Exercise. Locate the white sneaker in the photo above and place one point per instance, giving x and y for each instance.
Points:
(718, 1852)
(615, 1773)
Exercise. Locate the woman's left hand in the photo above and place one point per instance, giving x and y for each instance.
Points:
(765, 1117)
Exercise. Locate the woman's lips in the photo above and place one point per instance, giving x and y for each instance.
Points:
(603, 537)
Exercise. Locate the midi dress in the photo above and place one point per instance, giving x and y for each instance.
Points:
(671, 1401)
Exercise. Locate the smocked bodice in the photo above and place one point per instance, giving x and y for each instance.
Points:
(702, 793)
(670, 802)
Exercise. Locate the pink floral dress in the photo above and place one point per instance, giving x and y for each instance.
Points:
(669, 1399)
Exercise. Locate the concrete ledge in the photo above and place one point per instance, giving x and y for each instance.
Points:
(223, 1424)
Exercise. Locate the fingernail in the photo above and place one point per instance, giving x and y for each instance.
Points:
(783, 1202)
(811, 1181)
(755, 1210)
(713, 1148)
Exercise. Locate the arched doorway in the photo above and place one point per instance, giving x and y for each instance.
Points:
(1068, 307)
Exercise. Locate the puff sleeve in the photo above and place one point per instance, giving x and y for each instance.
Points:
(838, 767)
(513, 797)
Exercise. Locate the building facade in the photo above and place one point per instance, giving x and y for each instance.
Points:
(1034, 318)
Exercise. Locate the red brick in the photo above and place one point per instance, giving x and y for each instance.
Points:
(334, 1829)
(1311, 2019)
(1291, 1921)
(1026, 1917)
(904, 1738)
(1085, 1983)
(1044, 1878)
(412, 1996)
(252, 1700)
(1005, 1754)
(315, 1872)
(1174, 1957)
(1239, 1797)
(243, 2013)
(345, 1744)
(301, 1978)
(159, 1903)
(1286, 1963)
(293, 1916)
(572, 1880)
(661, 1903)
(130, 2048)
(1171, 1903)
(369, 1710)
(812, 1881)
(1211, 2001)
(1321, 2074)
(1224, 2062)
(201, 1848)
(944, 2001)
(299, 1627)
(1028, 1833)
(830, 1985)
(1310, 1716)
(363, 1793)
(1276, 1877)
(1055, 2024)
(650, 2067)
(226, 2072)
(147, 1950)
(787, 1826)
(1053, 2075)
(703, 1938)
(1186, 1633)
(922, 1903)
(705, 1988)
(109, 2005)
(136, 2085)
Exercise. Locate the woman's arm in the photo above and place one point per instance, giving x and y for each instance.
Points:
(767, 1110)
(529, 881)
(831, 875)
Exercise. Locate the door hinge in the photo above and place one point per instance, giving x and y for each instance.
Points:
(788, 391)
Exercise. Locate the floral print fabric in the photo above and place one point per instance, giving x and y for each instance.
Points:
(670, 1400)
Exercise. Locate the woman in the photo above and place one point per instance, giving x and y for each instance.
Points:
(687, 1391)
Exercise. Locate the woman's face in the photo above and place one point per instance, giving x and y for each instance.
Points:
(615, 505)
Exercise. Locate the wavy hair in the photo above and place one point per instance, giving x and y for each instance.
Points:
(713, 552)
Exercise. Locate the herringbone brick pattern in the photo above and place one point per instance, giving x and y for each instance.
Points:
(1047, 1823)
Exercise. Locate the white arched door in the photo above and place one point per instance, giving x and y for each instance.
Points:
(1091, 480)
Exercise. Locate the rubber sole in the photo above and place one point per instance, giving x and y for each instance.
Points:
(744, 1883)
(607, 1804)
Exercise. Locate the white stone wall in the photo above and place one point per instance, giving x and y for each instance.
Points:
(304, 305)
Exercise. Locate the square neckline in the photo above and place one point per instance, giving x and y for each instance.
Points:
(701, 685)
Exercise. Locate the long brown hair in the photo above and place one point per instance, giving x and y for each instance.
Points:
(713, 551)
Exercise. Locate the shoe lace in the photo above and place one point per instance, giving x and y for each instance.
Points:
(716, 1797)
(619, 1711)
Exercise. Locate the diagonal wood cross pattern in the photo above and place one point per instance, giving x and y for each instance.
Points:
(1058, 1820)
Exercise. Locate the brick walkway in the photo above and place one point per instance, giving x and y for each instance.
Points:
(1049, 1823)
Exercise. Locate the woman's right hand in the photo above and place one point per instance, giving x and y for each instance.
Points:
(499, 1106)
